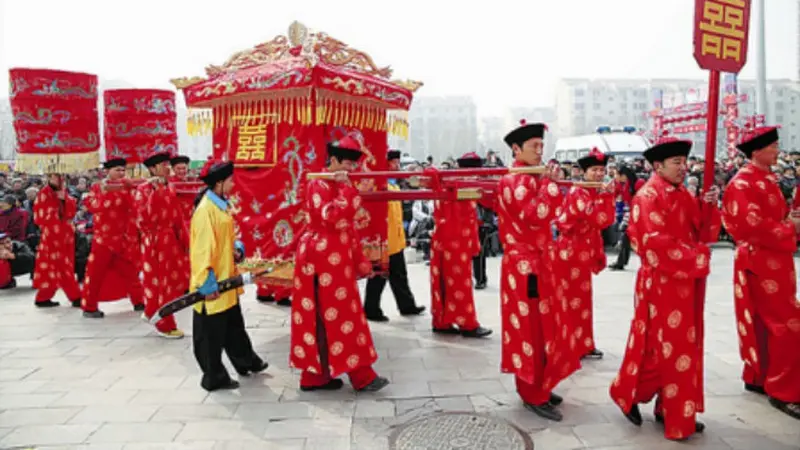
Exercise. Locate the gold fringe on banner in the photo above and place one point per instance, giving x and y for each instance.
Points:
(337, 109)
(43, 164)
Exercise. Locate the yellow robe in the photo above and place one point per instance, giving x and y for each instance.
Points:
(211, 246)
(396, 235)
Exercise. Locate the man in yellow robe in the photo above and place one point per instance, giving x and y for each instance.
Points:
(218, 322)
(398, 275)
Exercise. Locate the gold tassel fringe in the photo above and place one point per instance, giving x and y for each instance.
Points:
(296, 106)
(42, 164)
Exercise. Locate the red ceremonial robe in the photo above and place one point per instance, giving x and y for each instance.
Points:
(538, 340)
(55, 256)
(162, 226)
(5, 273)
(664, 355)
(114, 263)
(186, 204)
(585, 214)
(453, 245)
(765, 282)
(330, 335)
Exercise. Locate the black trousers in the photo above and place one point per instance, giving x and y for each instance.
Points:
(479, 262)
(214, 333)
(624, 251)
(398, 282)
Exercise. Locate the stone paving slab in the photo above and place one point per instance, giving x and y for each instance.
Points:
(71, 383)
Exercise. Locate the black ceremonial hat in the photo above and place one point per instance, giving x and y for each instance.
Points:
(667, 148)
(524, 132)
(345, 149)
(594, 158)
(758, 139)
(180, 159)
(115, 162)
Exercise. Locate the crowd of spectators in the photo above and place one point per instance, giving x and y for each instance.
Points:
(19, 234)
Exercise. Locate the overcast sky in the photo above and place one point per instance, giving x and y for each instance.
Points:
(502, 52)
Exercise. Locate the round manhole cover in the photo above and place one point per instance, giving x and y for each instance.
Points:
(459, 431)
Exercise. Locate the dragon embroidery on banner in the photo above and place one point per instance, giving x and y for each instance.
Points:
(154, 105)
(153, 128)
(44, 116)
(54, 90)
(60, 140)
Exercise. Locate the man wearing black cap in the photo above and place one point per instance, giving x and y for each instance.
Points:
(538, 357)
(113, 268)
(330, 335)
(218, 323)
(664, 357)
(161, 226)
(398, 276)
(586, 213)
(454, 243)
(765, 284)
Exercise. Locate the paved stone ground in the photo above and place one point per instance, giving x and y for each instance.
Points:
(73, 383)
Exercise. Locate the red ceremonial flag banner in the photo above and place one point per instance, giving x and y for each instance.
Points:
(720, 34)
(55, 120)
(138, 123)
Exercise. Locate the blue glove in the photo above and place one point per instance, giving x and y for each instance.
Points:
(210, 286)
(239, 245)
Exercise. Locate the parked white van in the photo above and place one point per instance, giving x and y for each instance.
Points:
(622, 142)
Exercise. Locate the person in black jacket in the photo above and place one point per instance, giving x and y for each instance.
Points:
(22, 261)
(625, 243)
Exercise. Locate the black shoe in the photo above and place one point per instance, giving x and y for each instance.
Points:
(594, 354)
(377, 318)
(94, 314)
(615, 267)
(480, 286)
(230, 385)
(76, 303)
(635, 416)
(450, 330)
(139, 307)
(265, 298)
(11, 285)
(754, 388)
(556, 399)
(333, 385)
(699, 427)
(285, 302)
(790, 409)
(377, 384)
(476, 333)
(546, 410)
(257, 368)
(415, 311)
(47, 304)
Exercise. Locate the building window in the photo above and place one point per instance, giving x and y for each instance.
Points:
(597, 106)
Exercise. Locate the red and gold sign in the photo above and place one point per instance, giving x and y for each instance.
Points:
(55, 120)
(253, 143)
(720, 34)
(138, 123)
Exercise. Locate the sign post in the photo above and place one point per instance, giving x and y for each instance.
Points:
(720, 45)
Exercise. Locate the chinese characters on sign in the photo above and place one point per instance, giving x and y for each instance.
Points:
(720, 37)
(251, 143)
